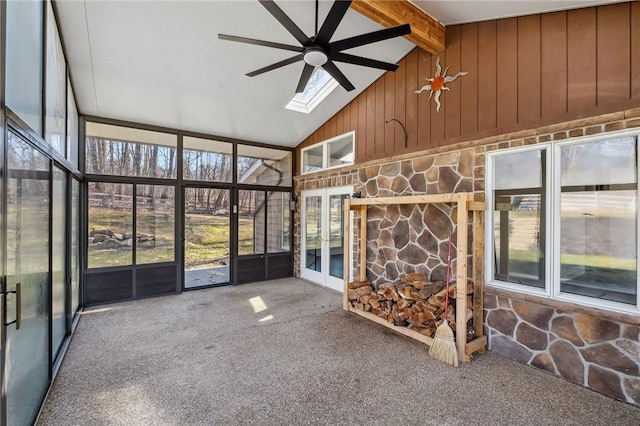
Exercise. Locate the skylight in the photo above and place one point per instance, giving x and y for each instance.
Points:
(318, 87)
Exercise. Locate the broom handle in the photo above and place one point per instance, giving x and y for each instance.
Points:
(446, 296)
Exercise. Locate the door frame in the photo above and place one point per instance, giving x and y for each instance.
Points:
(183, 237)
(323, 277)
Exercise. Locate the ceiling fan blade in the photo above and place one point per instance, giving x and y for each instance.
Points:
(331, 22)
(365, 62)
(260, 42)
(304, 78)
(372, 37)
(333, 70)
(286, 22)
(275, 66)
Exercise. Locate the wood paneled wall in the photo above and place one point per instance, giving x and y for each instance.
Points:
(522, 73)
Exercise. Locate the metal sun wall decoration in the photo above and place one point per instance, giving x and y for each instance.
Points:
(437, 83)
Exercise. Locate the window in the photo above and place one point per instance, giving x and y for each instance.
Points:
(564, 221)
(110, 223)
(56, 86)
(207, 160)
(519, 217)
(124, 151)
(334, 152)
(278, 217)
(264, 166)
(72, 126)
(287, 207)
(251, 222)
(24, 43)
(155, 224)
(318, 87)
(598, 217)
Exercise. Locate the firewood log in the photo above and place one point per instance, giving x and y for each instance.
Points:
(431, 288)
(403, 315)
(356, 293)
(433, 301)
(375, 304)
(406, 293)
(404, 303)
(440, 296)
(389, 293)
(355, 284)
(418, 285)
(428, 316)
(417, 318)
(414, 277)
(424, 306)
(366, 298)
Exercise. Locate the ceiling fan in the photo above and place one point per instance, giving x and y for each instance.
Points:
(319, 50)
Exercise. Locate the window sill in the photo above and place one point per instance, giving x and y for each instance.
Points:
(562, 305)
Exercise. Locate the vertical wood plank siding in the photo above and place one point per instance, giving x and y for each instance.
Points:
(553, 63)
(581, 59)
(469, 86)
(635, 48)
(487, 76)
(523, 73)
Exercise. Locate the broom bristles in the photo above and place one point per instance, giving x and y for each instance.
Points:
(443, 347)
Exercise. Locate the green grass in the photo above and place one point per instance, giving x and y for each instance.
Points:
(596, 261)
(206, 238)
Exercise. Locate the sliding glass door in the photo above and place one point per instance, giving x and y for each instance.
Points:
(26, 372)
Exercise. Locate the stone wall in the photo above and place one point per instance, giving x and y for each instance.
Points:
(583, 348)
(413, 238)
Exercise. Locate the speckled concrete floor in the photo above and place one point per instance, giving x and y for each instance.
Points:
(208, 358)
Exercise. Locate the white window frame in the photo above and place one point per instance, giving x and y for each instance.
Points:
(552, 289)
(325, 152)
(489, 247)
(306, 108)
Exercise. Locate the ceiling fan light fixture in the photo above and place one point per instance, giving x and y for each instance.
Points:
(315, 57)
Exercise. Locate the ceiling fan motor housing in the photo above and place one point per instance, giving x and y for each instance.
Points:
(315, 56)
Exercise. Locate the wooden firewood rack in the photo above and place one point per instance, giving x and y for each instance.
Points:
(466, 202)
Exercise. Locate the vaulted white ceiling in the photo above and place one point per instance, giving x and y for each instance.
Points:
(161, 62)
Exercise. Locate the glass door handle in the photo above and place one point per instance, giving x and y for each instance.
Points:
(18, 293)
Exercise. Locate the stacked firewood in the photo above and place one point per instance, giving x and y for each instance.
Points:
(411, 301)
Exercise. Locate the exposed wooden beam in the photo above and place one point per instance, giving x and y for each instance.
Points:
(426, 32)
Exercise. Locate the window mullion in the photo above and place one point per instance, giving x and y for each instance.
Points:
(553, 272)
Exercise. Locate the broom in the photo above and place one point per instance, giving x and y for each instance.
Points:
(443, 347)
